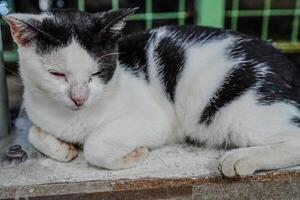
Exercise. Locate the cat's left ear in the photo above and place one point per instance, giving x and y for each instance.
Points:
(24, 28)
(21, 30)
(115, 20)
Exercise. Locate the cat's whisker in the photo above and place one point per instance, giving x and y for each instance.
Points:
(14, 82)
(109, 54)
(105, 63)
(101, 63)
(103, 97)
(108, 65)
(12, 72)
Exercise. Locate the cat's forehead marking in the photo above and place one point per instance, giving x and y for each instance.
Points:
(53, 61)
(77, 58)
(72, 58)
(64, 27)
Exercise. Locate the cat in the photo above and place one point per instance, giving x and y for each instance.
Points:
(120, 96)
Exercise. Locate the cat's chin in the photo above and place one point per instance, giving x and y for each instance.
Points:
(76, 108)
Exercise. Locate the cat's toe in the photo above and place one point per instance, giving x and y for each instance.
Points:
(72, 152)
(236, 163)
(68, 152)
(243, 167)
(135, 157)
(65, 152)
(227, 165)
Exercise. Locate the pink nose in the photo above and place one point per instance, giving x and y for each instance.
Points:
(79, 101)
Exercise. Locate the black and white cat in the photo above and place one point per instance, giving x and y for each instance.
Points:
(122, 96)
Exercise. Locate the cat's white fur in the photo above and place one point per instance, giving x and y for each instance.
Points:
(121, 120)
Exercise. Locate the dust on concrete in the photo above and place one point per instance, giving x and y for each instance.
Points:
(174, 161)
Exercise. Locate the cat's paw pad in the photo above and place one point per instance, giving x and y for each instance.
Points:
(234, 163)
(65, 152)
(135, 157)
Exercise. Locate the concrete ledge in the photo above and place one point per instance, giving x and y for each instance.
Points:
(177, 171)
(273, 185)
(270, 186)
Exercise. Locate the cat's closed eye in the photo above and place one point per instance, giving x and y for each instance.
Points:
(94, 74)
(56, 73)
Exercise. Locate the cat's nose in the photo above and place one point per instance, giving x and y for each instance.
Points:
(78, 101)
(79, 94)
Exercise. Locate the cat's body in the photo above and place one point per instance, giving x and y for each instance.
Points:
(212, 86)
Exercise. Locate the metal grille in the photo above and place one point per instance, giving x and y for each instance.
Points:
(206, 12)
(291, 45)
(148, 17)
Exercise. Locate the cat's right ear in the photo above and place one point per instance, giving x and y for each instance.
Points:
(22, 31)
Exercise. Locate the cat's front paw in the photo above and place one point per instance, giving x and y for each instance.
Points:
(51, 146)
(67, 152)
(135, 157)
(237, 163)
(113, 157)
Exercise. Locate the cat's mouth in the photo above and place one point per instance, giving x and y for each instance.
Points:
(75, 108)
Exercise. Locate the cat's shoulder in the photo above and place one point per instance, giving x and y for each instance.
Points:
(187, 33)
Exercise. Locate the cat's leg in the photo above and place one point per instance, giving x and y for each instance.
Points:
(51, 146)
(245, 161)
(124, 143)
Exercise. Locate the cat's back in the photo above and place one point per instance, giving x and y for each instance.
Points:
(217, 79)
(168, 54)
(160, 54)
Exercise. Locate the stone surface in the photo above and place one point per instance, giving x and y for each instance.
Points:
(272, 185)
(177, 171)
(283, 186)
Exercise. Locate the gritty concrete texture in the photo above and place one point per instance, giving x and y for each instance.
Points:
(283, 185)
(177, 171)
(170, 162)
(272, 185)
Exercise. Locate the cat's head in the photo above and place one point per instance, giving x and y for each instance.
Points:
(67, 55)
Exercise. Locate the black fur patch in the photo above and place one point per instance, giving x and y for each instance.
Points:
(198, 33)
(171, 53)
(281, 82)
(235, 84)
(64, 26)
(171, 60)
(197, 143)
(132, 53)
(296, 120)
(193, 142)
